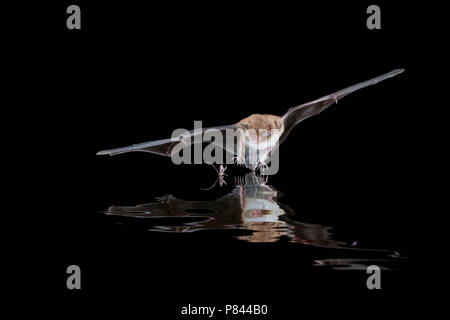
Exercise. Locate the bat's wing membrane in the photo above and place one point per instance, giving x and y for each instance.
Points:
(161, 147)
(166, 147)
(306, 110)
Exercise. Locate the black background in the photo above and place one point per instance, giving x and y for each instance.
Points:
(135, 72)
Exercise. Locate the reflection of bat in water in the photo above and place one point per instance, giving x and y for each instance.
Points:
(251, 206)
(261, 132)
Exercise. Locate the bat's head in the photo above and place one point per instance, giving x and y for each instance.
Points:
(263, 129)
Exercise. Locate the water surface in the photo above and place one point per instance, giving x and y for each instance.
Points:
(252, 206)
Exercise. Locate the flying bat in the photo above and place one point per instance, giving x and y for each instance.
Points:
(260, 134)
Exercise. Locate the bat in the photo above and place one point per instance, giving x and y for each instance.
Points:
(260, 134)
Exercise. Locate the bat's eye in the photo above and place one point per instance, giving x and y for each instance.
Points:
(268, 133)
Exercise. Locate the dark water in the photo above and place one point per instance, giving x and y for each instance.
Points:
(252, 206)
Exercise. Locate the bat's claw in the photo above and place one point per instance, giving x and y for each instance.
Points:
(262, 165)
(335, 98)
(239, 161)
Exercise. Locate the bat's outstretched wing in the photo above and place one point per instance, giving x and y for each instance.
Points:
(165, 147)
(306, 110)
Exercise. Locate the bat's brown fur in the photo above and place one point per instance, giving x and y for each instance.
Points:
(263, 121)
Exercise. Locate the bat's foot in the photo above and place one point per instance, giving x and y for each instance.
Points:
(262, 165)
(239, 161)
